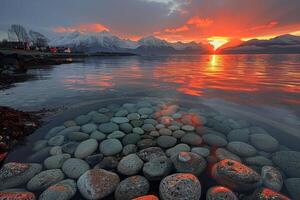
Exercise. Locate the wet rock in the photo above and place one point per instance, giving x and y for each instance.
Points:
(56, 162)
(145, 111)
(108, 163)
(97, 183)
(100, 118)
(54, 131)
(92, 160)
(292, 185)
(191, 139)
(44, 179)
(288, 161)
(40, 144)
(97, 135)
(178, 134)
(70, 147)
(89, 128)
(19, 195)
(70, 123)
(137, 122)
(131, 139)
(126, 127)
(103, 110)
(56, 140)
(148, 127)
(272, 178)
(241, 149)
(160, 126)
(188, 128)
(202, 151)
(264, 142)
(121, 113)
(180, 186)
(129, 149)
(235, 175)
(146, 197)
(56, 150)
(130, 165)
(146, 143)
(150, 153)
(267, 194)
(133, 116)
(132, 187)
(120, 120)
(39, 156)
(110, 147)
(174, 127)
(82, 119)
(188, 162)
(258, 130)
(138, 130)
(74, 167)
(157, 168)
(214, 140)
(220, 193)
(78, 136)
(68, 130)
(240, 135)
(108, 127)
(258, 161)
(116, 135)
(165, 131)
(150, 121)
(177, 149)
(166, 141)
(63, 190)
(15, 174)
(86, 148)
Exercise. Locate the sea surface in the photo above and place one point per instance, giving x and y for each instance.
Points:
(260, 88)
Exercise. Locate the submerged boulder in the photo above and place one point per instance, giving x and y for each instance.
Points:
(220, 193)
(180, 186)
(235, 175)
(63, 190)
(288, 161)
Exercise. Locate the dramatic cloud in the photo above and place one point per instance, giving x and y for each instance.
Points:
(84, 28)
(184, 20)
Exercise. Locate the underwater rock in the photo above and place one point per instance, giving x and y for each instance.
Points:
(191, 139)
(202, 151)
(18, 195)
(151, 153)
(166, 141)
(267, 194)
(86, 148)
(89, 128)
(157, 168)
(14, 174)
(264, 142)
(288, 161)
(97, 183)
(241, 149)
(188, 162)
(292, 185)
(56, 140)
(235, 175)
(272, 178)
(56, 162)
(130, 165)
(214, 140)
(220, 193)
(177, 149)
(74, 167)
(108, 127)
(132, 187)
(131, 138)
(110, 147)
(44, 179)
(63, 190)
(180, 186)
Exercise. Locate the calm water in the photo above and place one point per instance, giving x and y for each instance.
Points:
(265, 88)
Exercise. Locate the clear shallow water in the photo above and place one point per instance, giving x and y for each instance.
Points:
(262, 89)
(265, 84)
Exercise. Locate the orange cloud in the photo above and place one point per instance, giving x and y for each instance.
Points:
(198, 22)
(176, 30)
(265, 26)
(85, 28)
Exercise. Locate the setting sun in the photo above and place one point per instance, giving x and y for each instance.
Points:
(217, 42)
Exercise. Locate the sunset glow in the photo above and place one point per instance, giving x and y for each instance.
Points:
(217, 42)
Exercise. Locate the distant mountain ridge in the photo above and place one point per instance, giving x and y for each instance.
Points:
(105, 41)
(280, 44)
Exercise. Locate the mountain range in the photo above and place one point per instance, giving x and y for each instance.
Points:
(280, 44)
(105, 41)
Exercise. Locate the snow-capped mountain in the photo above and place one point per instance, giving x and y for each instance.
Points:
(280, 44)
(105, 41)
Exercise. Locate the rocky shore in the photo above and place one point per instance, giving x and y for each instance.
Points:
(154, 150)
(14, 126)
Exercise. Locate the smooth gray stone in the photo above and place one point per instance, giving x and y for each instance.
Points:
(74, 167)
(56, 162)
(54, 131)
(82, 119)
(108, 127)
(130, 165)
(63, 190)
(86, 148)
(110, 147)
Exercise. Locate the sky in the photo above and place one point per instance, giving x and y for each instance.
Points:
(173, 20)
